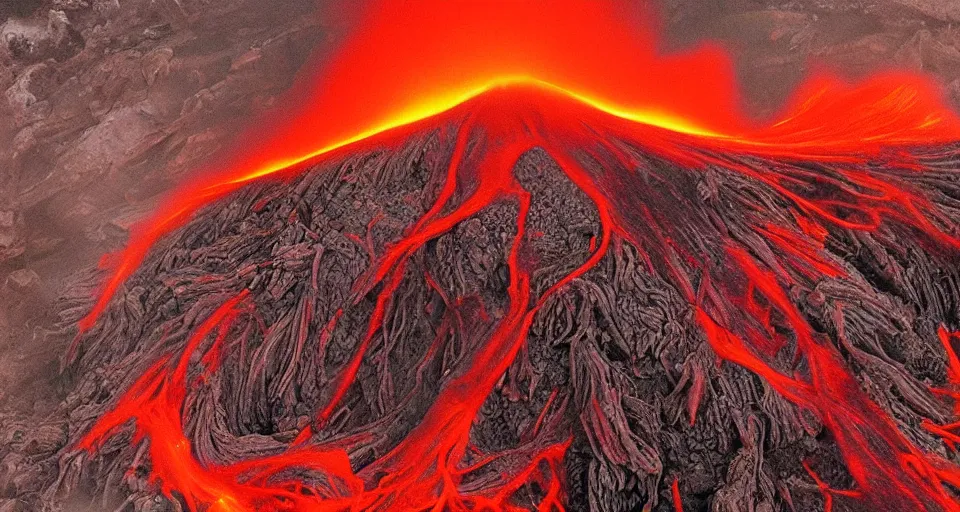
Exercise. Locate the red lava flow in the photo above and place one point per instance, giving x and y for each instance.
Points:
(583, 84)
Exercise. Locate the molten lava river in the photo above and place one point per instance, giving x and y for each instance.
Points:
(518, 260)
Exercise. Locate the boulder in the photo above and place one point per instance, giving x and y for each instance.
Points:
(33, 40)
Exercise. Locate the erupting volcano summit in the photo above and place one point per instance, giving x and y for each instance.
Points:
(514, 259)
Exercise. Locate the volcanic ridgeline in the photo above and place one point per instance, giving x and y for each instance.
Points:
(527, 302)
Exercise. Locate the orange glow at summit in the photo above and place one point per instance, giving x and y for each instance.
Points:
(408, 62)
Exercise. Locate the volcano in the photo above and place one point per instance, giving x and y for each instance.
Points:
(530, 302)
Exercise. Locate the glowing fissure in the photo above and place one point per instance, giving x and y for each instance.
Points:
(845, 129)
